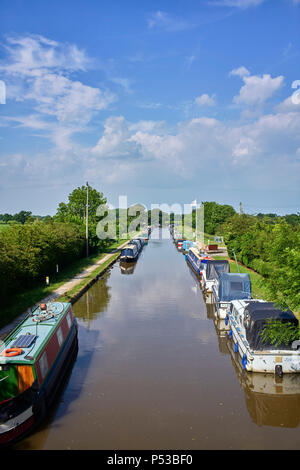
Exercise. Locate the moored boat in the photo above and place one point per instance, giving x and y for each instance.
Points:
(138, 242)
(247, 320)
(197, 259)
(228, 287)
(179, 243)
(145, 237)
(186, 245)
(34, 358)
(129, 254)
(210, 273)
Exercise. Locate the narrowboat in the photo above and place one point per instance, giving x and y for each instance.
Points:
(187, 244)
(142, 240)
(228, 287)
(145, 237)
(129, 253)
(179, 243)
(197, 259)
(138, 243)
(247, 319)
(34, 359)
(210, 273)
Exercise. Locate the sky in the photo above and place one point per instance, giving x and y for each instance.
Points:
(163, 102)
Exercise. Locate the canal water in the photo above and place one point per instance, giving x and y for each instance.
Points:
(154, 372)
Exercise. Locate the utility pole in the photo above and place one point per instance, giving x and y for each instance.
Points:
(87, 220)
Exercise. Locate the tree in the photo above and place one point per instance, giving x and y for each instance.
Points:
(74, 211)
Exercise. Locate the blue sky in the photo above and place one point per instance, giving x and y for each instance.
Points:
(162, 101)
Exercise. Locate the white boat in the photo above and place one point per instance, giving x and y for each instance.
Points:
(247, 318)
(228, 287)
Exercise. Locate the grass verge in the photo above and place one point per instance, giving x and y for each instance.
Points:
(258, 290)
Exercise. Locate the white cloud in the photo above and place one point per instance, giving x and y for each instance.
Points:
(115, 139)
(256, 89)
(163, 20)
(205, 100)
(241, 72)
(32, 55)
(40, 71)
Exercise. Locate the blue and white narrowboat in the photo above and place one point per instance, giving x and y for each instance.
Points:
(197, 260)
(247, 319)
(130, 253)
(34, 359)
(138, 242)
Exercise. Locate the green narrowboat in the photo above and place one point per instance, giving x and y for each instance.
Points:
(34, 358)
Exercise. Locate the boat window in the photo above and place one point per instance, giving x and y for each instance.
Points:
(69, 320)
(43, 365)
(127, 252)
(60, 337)
(236, 286)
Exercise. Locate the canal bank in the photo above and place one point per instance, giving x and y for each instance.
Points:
(153, 372)
(66, 291)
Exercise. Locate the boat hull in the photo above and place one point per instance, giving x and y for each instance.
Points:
(192, 263)
(263, 361)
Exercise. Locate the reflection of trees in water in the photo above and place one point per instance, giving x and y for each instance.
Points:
(270, 400)
(95, 300)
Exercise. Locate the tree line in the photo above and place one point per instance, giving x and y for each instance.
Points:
(32, 246)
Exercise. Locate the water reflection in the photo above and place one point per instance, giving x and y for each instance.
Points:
(95, 300)
(154, 370)
(270, 400)
(127, 268)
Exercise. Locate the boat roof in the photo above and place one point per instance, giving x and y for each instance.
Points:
(233, 286)
(34, 333)
(240, 304)
(196, 252)
(262, 311)
(215, 267)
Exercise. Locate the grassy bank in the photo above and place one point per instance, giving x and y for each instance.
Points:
(87, 280)
(257, 281)
(27, 298)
